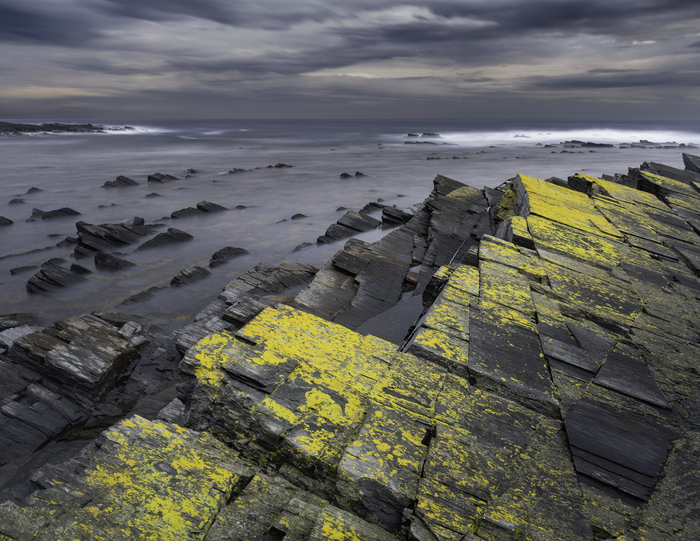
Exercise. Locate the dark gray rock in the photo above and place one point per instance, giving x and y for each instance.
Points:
(111, 262)
(16, 201)
(51, 214)
(5, 221)
(359, 221)
(225, 254)
(186, 213)
(299, 216)
(206, 206)
(22, 270)
(109, 237)
(8, 321)
(189, 276)
(692, 163)
(79, 269)
(345, 175)
(53, 261)
(119, 182)
(171, 236)
(160, 178)
(53, 277)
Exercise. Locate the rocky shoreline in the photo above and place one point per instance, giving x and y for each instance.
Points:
(544, 385)
(11, 129)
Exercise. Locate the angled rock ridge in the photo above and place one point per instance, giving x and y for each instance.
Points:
(549, 389)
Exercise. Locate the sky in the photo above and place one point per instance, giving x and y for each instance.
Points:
(461, 59)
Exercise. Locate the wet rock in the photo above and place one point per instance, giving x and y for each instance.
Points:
(345, 175)
(393, 215)
(299, 216)
(206, 206)
(68, 241)
(171, 236)
(9, 321)
(279, 166)
(111, 262)
(22, 270)
(236, 170)
(192, 171)
(430, 134)
(186, 213)
(692, 163)
(52, 214)
(5, 221)
(34, 189)
(359, 174)
(109, 237)
(302, 246)
(53, 261)
(10, 336)
(79, 269)
(153, 194)
(159, 178)
(349, 225)
(225, 254)
(140, 297)
(16, 201)
(53, 277)
(119, 182)
(189, 276)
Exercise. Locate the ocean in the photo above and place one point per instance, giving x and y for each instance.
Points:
(70, 170)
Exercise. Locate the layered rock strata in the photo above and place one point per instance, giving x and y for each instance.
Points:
(549, 389)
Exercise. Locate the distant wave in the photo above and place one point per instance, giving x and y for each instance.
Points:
(515, 137)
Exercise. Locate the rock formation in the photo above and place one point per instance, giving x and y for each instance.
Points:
(547, 390)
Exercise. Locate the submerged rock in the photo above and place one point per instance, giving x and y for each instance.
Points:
(5, 221)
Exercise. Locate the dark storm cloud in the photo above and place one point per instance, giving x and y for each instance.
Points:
(34, 23)
(621, 79)
(593, 16)
(372, 50)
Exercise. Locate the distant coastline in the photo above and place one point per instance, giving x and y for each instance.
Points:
(10, 129)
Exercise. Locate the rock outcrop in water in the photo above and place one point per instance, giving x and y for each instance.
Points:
(9, 129)
(548, 390)
(120, 181)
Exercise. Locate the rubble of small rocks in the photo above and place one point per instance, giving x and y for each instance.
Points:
(547, 390)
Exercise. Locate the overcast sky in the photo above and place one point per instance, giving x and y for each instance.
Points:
(463, 59)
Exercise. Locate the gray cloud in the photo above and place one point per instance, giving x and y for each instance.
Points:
(175, 53)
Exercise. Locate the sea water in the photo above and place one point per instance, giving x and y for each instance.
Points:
(70, 170)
